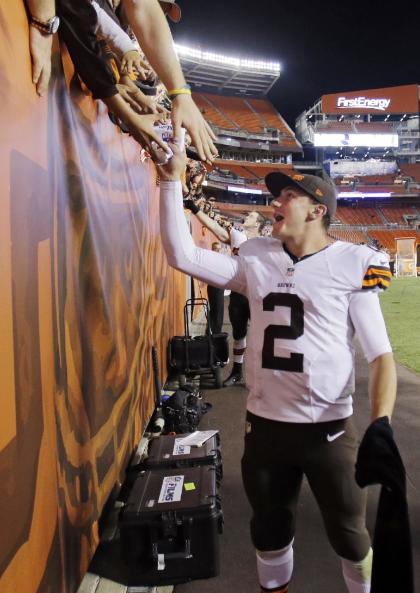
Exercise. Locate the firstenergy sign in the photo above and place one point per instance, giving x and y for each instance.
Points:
(363, 103)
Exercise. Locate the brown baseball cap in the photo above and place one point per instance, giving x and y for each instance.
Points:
(322, 190)
(171, 8)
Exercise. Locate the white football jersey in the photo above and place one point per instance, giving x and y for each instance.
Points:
(300, 353)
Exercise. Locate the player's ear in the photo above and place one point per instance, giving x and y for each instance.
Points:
(318, 211)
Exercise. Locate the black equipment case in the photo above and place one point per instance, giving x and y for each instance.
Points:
(170, 525)
(166, 452)
(199, 354)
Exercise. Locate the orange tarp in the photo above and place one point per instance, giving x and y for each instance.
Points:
(85, 291)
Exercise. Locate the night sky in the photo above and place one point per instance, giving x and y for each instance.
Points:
(323, 47)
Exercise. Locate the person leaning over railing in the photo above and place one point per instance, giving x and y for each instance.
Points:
(149, 25)
(147, 21)
(81, 32)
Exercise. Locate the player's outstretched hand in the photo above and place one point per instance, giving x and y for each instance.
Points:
(185, 113)
(175, 167)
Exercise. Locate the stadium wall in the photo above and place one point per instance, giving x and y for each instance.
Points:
(85, 291)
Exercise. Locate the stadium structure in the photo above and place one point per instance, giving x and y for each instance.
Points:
(253, 138)
(368, 141)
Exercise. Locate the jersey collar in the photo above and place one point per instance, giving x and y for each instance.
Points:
(296, 259)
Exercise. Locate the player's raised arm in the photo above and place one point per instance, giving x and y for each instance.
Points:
(214, 268)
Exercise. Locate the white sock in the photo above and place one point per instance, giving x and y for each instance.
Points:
(357, 575)
(239, 347)
(275, 568)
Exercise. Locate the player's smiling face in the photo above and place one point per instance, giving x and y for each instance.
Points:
(290, 213)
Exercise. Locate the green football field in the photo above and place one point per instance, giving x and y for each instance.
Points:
(401, 308)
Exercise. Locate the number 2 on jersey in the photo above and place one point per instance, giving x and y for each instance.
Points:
(294, 363)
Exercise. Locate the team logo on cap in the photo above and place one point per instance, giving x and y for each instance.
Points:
(319, 192)
(298, 177)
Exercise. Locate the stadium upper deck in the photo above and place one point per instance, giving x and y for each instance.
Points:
(253, 139)
(254, 118)
(232, 94)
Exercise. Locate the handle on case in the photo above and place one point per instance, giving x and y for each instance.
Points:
(189, 305)
(184, 554)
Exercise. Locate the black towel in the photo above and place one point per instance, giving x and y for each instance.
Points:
(379, 462)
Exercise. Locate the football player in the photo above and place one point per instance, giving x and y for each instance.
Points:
(308, 296)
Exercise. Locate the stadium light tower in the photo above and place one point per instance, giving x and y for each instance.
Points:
(212, 70)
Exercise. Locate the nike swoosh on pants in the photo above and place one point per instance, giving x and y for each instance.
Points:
(332, 437)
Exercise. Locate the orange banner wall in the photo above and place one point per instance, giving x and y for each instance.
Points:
(85, 291)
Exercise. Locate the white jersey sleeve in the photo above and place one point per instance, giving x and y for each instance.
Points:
(368, 321)
(368, 273)
(377, 273)
(107, 29)
(213, 268)
(361, 267)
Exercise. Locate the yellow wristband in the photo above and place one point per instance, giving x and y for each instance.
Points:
(175, 92)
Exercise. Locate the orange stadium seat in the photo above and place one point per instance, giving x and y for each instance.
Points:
(376, 179)
(369, 189)
(411, 170)
(396, 214)
(354, 127)
(387, 238)
(374, 127)
(247, 115)
(271, 118)
(235, 109)
(358, 216)
(262, 169)
(211, 114)
(249, 170)
(251, 115)
(339, 127)
(349, 236)
(237, 169)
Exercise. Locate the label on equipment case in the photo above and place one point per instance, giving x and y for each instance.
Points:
(180, 448)
(171, 490)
